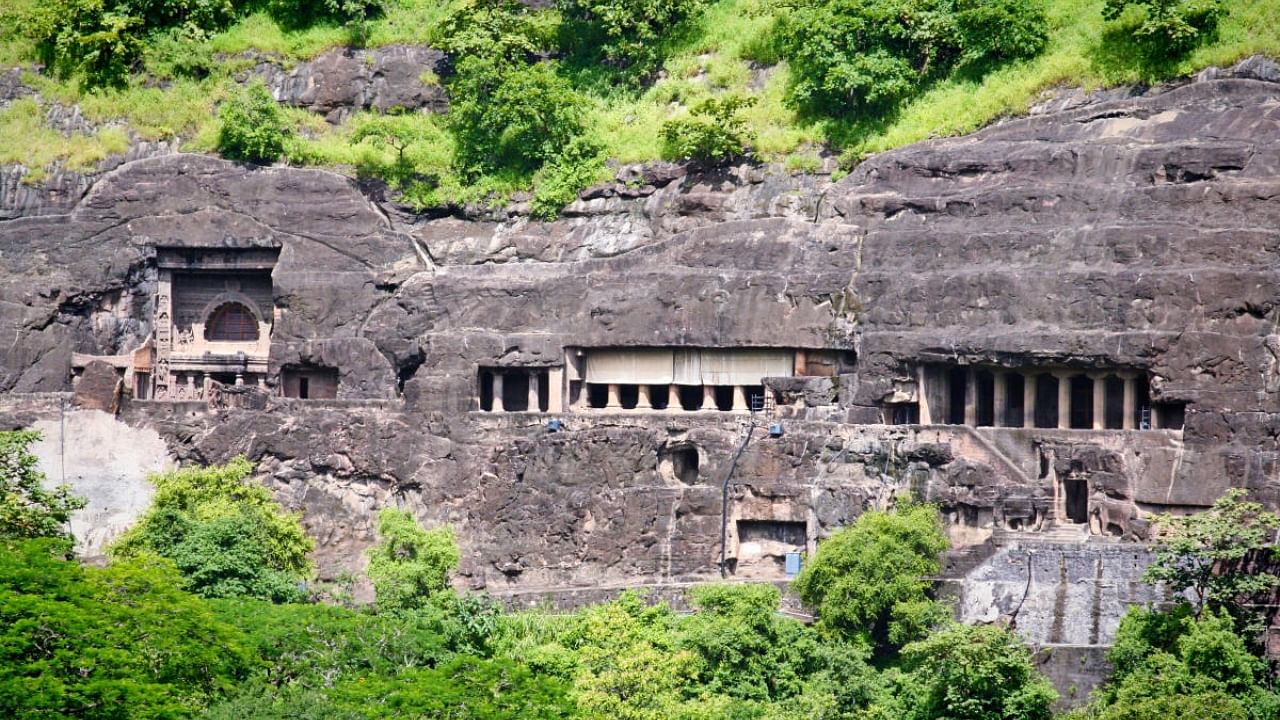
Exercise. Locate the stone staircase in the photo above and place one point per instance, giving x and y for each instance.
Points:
(1056, 534)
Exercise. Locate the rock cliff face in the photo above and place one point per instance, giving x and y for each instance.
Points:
(1124, 250)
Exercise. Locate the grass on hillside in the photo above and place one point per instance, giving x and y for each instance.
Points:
(724, 53)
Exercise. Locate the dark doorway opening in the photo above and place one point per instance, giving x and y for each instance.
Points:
(660, 396)
(486, 391)
(597, 395)
(957, 378)
(985, 385)
(1113, 402)
(629, 396)
(679, 462)
(1081, 402)
(1046, 401)
(724, 397)
(1076, 494)
(1015, 387)
(690, 396)
(515, 392)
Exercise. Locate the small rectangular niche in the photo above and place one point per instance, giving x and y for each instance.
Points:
(763, 546)
(1169, 415)
(514, 389)
(308, 382)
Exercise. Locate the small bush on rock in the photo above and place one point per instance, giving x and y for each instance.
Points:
(1164, 29)
(712, 132)
(253, 126)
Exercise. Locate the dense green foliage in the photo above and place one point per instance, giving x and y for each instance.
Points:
(1219, 556)
(626, 34)
(119, 642)
(1172, 664)
(713, 132)
(27, 508)
(253, 126)
(967, 672)
(409, 564)
(870, 580)
(545, 94)
(851, 55)
(129, 641)
(227, 536)
(1163, 29)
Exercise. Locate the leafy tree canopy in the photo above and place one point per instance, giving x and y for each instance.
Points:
(410, 564)
(253, 128)
(871, 580)
(1219, 557)
(228, 536)
(27, 508)
(119, 642)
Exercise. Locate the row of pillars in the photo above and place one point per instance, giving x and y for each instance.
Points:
(534, 391)
(644, 400)
(1000, 399)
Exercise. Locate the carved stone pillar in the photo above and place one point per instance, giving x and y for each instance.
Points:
(1064, 400)
(709, 397)
(615, 397)
(922, 398)
(673, 398)
(1130, 400)
(740, 398)
(164, 335)
(999, 398)
(1029, 401)
(644, 399)
(533, 392)
(970, 397)
(555, 390)
(1099, 401)
(497, 393)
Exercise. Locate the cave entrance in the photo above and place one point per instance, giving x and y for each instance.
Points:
(1075, 495)
(679, 463)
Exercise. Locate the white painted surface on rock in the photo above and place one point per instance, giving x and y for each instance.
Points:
(106, 461)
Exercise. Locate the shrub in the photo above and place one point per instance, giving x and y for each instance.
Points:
(871, 580)
(106, 643)
(713, 132)
(509, 116)
(867, 55)
(968, 672)
(410, 564)
(1164, 29)
(253, 128)
(626, 34)
(558, 183)
(227, 536)
(27, 509)
(993, 30)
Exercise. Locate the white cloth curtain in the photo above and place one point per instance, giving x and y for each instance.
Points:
(744, 366)
(629, 367)
(688, 367)
(646, 366)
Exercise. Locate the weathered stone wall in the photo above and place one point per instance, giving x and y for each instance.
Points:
(1137, 231)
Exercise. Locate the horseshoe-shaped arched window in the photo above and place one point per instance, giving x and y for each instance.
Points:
(232, 322)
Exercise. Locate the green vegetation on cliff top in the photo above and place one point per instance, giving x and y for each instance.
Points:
(725, 48)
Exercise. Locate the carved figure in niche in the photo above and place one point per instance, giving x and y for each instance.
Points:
(184, 337)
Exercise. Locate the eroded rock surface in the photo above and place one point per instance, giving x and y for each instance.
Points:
(1135, 234)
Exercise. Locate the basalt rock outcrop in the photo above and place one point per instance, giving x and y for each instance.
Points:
(1128, 241)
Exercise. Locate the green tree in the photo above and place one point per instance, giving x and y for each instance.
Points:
(227, 535)
(27, 509)
(254, 128)
(511, 117)
(975, 672)
(867, 55)
(410, 564)
(119, 642)
(627, 34)
(1174, 665)
(746, 650)
(1218, 556)
(871, 580)
(712, 132)
(1164, 29)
